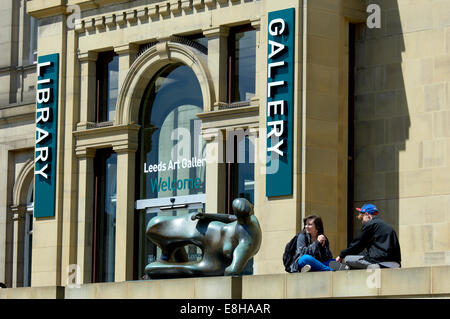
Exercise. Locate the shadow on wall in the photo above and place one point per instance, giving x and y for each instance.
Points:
(382, 119)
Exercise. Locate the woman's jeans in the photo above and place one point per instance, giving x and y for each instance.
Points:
(314, 263)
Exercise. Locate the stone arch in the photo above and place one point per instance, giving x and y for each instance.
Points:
(147, 65)
(22, 184)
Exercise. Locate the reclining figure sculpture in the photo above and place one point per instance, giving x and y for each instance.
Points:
(227, 242)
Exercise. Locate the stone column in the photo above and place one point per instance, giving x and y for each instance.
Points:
(261, 75)
(85, 212)
(125, 212)
(127, 54)
(217, 61)
(215, 171)
(18, 218)
(88, 88)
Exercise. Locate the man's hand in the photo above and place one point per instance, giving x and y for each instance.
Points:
(321, 239)
(338, 259)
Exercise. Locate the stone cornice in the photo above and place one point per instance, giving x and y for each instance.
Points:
(45, 8)
(155, 11)
(24, 112)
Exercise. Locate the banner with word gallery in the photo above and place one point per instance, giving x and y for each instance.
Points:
(280, 103)
(46, 135)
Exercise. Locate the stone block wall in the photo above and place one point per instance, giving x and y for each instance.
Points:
(402, 129)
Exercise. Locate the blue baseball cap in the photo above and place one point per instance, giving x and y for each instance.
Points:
(368, 208)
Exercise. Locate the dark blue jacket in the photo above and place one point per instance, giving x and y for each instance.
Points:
(377, 242)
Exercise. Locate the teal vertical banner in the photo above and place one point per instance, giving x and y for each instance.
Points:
(46, 135)
(280, 102)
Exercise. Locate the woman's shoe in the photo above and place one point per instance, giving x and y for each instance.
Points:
(306, 268)
(338, 266)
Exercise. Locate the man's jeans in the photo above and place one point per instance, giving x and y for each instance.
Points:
(357, 262)
(314, 263)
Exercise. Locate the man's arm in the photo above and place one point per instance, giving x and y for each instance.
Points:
(359, 243)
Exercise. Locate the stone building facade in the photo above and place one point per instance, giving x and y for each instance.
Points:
(368, 123)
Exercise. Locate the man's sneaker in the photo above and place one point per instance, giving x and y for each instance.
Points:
(306, 268)
(338, 266)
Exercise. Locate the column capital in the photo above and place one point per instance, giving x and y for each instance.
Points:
(125, 148)
(212, 134)
(256, 23)
(89, 56)
(219, 31)
(83, 153)
(129, 48)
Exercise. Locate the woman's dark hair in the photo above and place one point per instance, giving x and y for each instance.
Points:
(317, 222)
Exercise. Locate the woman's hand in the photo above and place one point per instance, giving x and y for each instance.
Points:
(321, 239)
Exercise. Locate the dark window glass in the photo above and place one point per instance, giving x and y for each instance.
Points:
(240, 170)
(33, 34)
(241, 64)
(107, 86)
(241, 175)
(105, 215)
(28, 240)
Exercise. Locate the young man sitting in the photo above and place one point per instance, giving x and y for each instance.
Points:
(376, 244)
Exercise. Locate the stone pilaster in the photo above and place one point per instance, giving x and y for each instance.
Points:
(85, 212)
(125, 212)
(87, 88)
(217, 60)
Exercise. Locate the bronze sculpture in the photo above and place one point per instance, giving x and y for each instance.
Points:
(227, 242)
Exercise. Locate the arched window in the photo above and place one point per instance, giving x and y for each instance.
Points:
(171, 164)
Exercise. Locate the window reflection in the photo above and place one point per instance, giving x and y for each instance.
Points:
(107, 86)
(33, 34)
(241, 170)
(171, 156)
(105, 215)
(113, 88)
(242, 64)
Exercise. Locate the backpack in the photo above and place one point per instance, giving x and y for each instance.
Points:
(289, 253)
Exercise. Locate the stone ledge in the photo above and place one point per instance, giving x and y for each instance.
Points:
(423, 282)
(12, 114)
(32, 293)
(185, 288)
